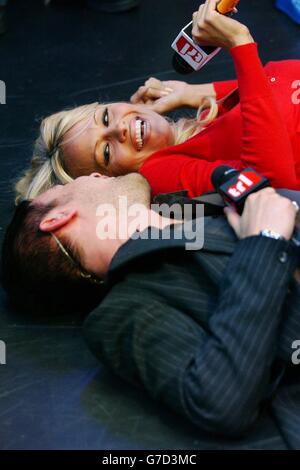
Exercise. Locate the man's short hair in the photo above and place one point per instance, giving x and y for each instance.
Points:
(37, 276)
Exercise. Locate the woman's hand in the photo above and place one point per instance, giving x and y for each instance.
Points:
(210, 28)
(161, 96)
(165, 96)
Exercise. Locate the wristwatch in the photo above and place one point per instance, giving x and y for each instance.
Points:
(271, 234)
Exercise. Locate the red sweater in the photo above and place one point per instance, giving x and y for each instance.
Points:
(258, 125)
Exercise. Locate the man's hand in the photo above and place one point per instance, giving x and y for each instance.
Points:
(264, 210)
(210, 28)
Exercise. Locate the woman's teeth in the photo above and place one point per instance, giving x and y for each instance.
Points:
(139, 133)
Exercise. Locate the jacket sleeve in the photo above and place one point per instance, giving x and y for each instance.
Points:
(215, 376)
(266, 145)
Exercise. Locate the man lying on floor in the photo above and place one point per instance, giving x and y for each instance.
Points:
(208, 331)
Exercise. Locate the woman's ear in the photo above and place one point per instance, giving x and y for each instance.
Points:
(56, 219)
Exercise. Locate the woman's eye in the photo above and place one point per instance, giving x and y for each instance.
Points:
(106, 155)
(105, 120)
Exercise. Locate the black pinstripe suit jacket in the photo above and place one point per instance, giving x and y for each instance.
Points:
(202, 331)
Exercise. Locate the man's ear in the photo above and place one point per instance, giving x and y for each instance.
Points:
(57, 219)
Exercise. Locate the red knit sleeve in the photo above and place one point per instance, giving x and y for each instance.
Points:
(170, 173)
(224, 88)
(265, 142)
(266, 145)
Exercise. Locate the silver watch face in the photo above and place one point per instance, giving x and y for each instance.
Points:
(271, 234)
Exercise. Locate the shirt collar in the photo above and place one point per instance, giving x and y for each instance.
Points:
(218, 237)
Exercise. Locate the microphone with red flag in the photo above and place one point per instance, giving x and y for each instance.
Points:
(190, 56)
(236, 185)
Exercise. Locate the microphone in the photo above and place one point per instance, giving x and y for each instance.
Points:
(235, 186)
(189, 56)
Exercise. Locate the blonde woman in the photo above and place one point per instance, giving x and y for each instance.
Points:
(249, 122)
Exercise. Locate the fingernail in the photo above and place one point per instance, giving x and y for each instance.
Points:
(164, 93)
(169, 89)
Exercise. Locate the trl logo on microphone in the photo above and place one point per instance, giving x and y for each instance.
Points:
(190, 51)
(244, 183)
(185, 48)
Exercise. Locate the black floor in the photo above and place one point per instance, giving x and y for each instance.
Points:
(53, 393)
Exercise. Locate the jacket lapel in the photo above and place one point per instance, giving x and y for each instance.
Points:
(218, 238)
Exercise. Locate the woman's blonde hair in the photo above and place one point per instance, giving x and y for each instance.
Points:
(185, 128)
(47, 166)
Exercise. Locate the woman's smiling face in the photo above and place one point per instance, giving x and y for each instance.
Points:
(115, 140)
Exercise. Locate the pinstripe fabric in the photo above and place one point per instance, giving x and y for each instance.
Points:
(200, 331)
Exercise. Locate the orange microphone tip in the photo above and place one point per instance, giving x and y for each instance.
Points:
(226, 6)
